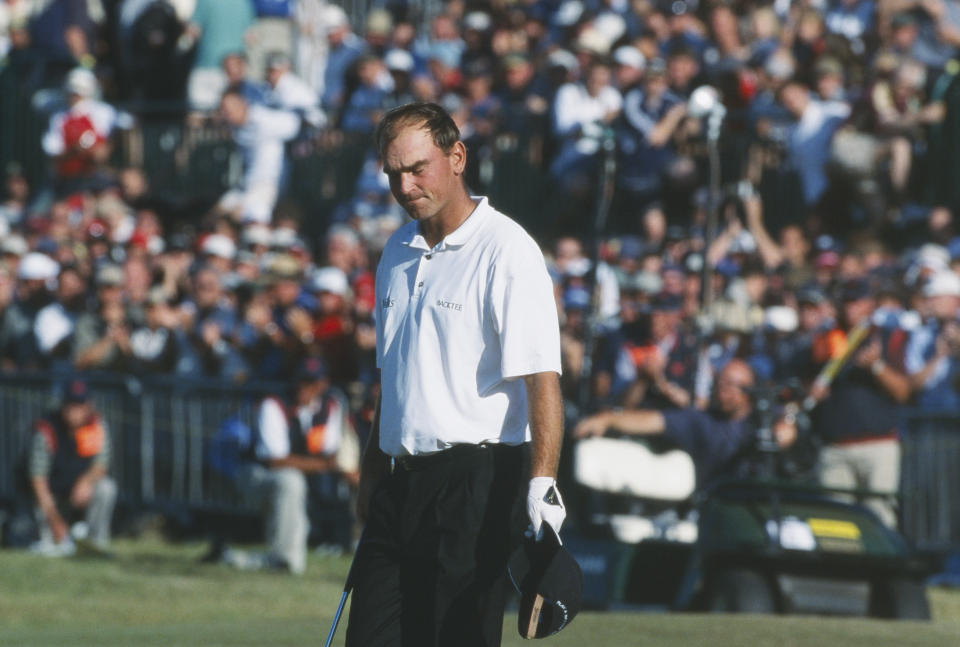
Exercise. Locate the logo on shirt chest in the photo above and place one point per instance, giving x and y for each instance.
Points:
(387, 302)
(449, 305)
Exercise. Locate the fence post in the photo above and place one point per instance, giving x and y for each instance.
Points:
(147, 481)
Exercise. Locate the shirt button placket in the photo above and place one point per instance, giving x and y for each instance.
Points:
(419, 281)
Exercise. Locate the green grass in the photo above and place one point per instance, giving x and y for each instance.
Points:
(154, 593)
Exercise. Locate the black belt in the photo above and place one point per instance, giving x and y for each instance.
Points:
(416, 462)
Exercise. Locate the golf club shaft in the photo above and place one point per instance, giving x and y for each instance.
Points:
(857, 336)
(336, 618)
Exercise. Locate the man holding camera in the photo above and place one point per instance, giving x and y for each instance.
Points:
(714, 439)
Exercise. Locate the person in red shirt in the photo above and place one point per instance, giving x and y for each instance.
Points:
(78, 138)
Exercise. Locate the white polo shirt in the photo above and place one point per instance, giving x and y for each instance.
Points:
(455, 325)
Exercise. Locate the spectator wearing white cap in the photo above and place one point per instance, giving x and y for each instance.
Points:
(334, 327)
(78, 138)
(36, 274)
(219, 251)
(256, 239)
(343, 48)
(477, 31)
(400, 65)
(12, 248)
(933, 352)
(629, 64)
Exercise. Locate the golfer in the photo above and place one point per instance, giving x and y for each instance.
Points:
(468, 431)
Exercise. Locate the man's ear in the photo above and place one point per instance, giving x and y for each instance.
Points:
(458, 158)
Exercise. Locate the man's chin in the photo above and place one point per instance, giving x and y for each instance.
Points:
(416, 211)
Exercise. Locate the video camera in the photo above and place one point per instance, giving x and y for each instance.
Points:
(771, 402)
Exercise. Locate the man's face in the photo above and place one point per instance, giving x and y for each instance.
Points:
(811, 316)
(794, 98)
(794, 242)
(943, 307)
(70, 287)
(423, 178)
(663, 322)
(519, 75)
(274, 73)
(206, 287)
(308, 390)
(285, 292)
(681, 70)
(731, 387)
(857, 310)
(235, 67)
(76, 414)
(233, 109)
(598, 79)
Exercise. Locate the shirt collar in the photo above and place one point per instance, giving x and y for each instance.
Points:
(459, 236)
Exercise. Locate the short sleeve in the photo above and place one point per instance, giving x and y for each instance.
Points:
(52, 142)
(105, 455)
(40, 459)
(273, 440)
(524, 311)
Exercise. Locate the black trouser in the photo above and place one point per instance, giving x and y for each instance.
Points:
(431, 568)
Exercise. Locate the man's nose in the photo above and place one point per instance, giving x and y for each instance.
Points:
(407, 183)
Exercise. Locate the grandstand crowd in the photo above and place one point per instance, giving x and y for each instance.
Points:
(837, 187)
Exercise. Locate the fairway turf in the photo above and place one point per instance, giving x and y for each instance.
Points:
(155, 593)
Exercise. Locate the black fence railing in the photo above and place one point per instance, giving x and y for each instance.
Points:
(161, 431)
(930, 480)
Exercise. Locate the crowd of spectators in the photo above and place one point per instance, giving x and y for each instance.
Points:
(833, 109)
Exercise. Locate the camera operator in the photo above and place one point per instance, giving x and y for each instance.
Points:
(714, 439)
(934, 347)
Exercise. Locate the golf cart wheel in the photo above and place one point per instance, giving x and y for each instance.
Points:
(899, 599)
(739, 591)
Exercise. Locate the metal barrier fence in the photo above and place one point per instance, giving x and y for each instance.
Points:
(930, 480)
(162, 427)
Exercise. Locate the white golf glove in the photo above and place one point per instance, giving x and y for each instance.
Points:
(544, 504)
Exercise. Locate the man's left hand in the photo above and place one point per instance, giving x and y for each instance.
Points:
(595, 425)
(544, 504)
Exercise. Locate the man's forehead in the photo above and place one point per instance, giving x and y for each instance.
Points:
(411, 146)
(736, 371)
